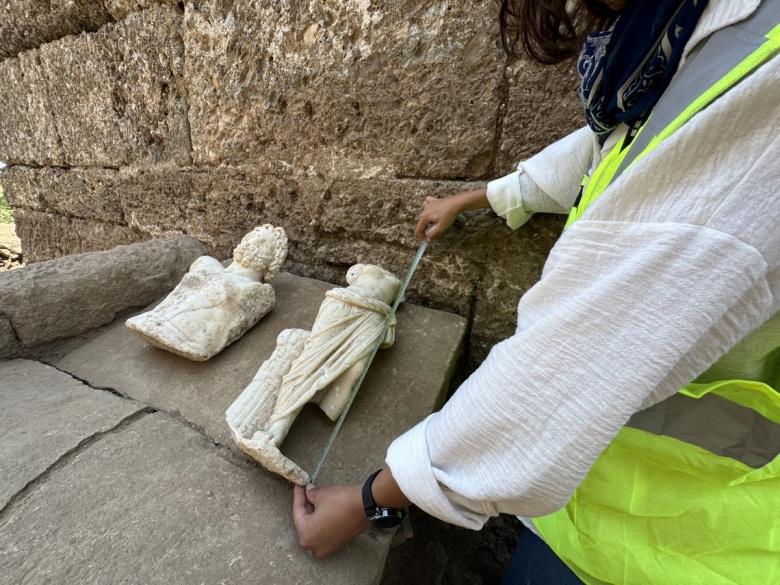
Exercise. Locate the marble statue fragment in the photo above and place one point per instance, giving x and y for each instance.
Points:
(321, 366)
(213, 306)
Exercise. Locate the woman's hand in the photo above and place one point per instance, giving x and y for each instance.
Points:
(439, 214)
(327, 518)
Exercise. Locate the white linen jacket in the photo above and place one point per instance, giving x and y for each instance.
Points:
(675, 265)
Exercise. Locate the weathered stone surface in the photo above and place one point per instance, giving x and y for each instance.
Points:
(8, 341)
(396, 89)
(155, 502)
(85, 194)
(46, 413)
(443, 274)
(69, 295)
(46, 236)
(26, 24)
(405, 383)
(217, 207)
(373, 209)
(120, 9)
(541, 107)
(116, 96)
(28, 133)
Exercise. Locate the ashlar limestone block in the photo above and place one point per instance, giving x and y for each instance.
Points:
(542, 106)
(110, 98)
(350, 88)
(28, 133)
(321, 366)
(90, 194)
(213, 306)
(26, 24)
(120, 9)
(46, 236)
(217, 206)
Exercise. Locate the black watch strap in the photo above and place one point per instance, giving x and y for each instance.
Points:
(368, 499)
(380, 517)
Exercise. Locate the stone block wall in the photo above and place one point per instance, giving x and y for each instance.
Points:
(125, 120)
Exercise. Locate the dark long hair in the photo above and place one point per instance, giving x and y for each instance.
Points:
(547, 31)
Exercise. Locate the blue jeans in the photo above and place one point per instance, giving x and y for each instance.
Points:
(534, 563)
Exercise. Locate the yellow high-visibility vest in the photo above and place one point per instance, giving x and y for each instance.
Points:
(689, 490)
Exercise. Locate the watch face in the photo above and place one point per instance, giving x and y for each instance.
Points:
(387, 517)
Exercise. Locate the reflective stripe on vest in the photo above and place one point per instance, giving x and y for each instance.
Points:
(689, 490)
(727, 57)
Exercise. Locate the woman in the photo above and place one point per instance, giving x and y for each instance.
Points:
(666, 278)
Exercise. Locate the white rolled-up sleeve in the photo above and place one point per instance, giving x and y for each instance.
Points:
(548, 182)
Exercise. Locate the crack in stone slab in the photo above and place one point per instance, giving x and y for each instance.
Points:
(66, 457)
(88, 385)
(224, 451)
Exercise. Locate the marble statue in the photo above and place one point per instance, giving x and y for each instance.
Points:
(213, 306)
(321, 366)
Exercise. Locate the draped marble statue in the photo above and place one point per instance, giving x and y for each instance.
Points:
(321, 366)
(213, 306)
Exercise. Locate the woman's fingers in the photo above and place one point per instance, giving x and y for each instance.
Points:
(302, 507)
(437, 215)
(326, 519)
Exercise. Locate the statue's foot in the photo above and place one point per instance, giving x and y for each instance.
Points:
(261, 437)
(262, 449)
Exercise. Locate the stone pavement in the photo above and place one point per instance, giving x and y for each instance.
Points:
(116, 464)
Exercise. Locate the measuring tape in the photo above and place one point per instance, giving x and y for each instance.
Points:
(398, 298)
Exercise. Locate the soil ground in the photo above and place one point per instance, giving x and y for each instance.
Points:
(443, 554)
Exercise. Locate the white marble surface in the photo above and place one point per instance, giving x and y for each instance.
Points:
(321, 367)
(213, 306)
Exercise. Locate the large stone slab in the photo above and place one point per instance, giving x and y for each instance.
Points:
(26, 24)
(156, 502)
(46, 235)
(120, 9)
(44, 414)
(111, 98)
(8, 342)
(542, 105)
(374, 209)
(70, 295)
(218, 206)
(405, 383)
(86, 194)
(28, 133)
(392, 89)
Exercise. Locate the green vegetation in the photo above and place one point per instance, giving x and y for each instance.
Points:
(6, 215)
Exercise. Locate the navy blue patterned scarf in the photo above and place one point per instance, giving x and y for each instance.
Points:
(625, 69)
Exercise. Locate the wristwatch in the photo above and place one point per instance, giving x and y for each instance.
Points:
(380, 517)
